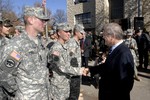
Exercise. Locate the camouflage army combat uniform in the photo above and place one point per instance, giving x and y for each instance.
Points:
(30, 79)
(62, 71)
(3, 41)
(132, 45)
(75, 54)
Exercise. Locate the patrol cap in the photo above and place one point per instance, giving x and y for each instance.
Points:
(129, 32)
(7, 23)
(63, 26)
(79, 27)
(35, 11)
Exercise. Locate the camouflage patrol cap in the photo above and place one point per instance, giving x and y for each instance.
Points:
(63, 26)
(35, 11)
(79, 28)
(129, 32)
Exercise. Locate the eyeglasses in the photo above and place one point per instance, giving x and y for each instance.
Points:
(68, 31)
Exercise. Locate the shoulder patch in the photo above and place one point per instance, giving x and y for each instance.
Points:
(56, 53)
(11, 62)
(55, 56)
(15, 55)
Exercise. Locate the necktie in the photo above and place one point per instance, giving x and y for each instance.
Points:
(82, 44)
(110, 51)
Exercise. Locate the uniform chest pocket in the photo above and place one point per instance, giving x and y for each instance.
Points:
(31, 59)
(31, 56)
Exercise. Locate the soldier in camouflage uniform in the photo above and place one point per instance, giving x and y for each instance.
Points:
(5, 34)
(59, 58)
(131, 43)
(18, 30)
(4, 39)
(52, 38)
(75, 52)
(24, 60)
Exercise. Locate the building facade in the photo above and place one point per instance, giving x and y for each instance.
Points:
(93, 14)
(87, 12)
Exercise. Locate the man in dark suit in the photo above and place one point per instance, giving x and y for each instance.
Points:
(143, 44)
(85, 50)
(118, 70)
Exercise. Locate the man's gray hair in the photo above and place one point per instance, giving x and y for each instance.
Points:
(114, 29)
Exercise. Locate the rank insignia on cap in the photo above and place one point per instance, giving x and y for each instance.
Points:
(15, 55)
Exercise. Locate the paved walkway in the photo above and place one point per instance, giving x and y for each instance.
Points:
(140, 91)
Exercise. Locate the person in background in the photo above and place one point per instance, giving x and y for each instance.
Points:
(26, 57)
(75, 52)
(85, 50)
(102, 46)
(52, 38)
(132, 45)
(117, 73)
(90, 35)
(5, 32)
(18, 30)
(143, 44)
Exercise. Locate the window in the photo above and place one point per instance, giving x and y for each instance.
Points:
(80, 1)
(116, 9)
(84, 18)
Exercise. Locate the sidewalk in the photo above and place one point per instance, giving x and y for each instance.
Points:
(140, 91)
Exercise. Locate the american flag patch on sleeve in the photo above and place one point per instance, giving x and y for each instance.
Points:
(15, 55)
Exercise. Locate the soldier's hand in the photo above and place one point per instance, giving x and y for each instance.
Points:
(85, 71)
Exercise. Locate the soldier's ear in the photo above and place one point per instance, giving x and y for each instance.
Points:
(30, 20)
(58, 33)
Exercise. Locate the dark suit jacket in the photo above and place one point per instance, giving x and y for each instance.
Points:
(116, 75)
(87, 47)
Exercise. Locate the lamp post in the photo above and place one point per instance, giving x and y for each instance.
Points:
(45, 12)
(139, 8)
